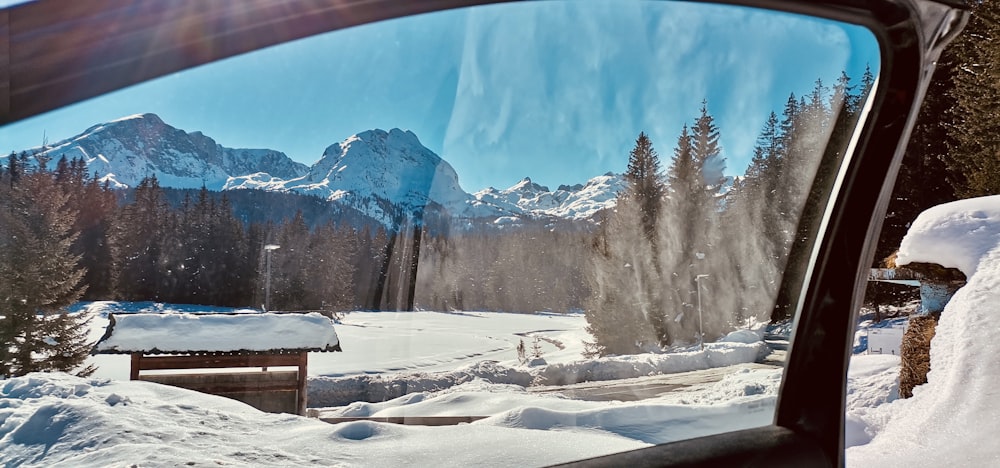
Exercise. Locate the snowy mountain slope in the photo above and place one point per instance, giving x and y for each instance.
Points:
(126, 150)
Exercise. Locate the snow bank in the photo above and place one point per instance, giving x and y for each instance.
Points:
(742, 336)
(60, 420)
(740, 400)
(872, 381)
(622, 367)
(174, 333)
(337, 391)
(953, 235)
(951, 420)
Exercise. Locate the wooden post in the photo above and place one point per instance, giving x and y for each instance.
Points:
(136, 359)
(303, 379)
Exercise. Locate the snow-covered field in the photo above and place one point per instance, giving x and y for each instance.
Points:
(465, 365)
(452, 363)
(393, 342)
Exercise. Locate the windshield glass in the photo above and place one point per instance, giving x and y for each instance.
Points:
(541, 232)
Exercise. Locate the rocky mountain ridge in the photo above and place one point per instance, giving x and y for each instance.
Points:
(387, 174)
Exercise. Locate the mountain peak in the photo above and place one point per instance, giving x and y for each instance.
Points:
(148, 120)
(127, 149)
(526, 185)
(384, 165)
(395, 134)
(147, 116)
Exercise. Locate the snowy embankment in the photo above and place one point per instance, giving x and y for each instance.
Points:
(951, 420)
(59, 420)
(337, 391)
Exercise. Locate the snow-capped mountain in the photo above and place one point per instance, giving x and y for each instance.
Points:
(579, 201)
(388, 175)
(126, 150)
(377, 166)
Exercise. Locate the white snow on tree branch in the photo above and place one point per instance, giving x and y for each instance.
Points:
(953, 235)
(178, 333)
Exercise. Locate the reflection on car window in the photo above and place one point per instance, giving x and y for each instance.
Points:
(563, 226)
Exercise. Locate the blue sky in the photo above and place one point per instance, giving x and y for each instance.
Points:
(555, 91)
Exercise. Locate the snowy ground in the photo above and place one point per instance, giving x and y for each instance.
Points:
(59, 420)
(394, 342)
(453, 364)
(468, 364)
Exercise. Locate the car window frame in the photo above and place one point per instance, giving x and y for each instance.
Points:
(55, 53)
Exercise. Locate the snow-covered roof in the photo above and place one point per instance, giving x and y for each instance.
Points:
(209, 333)
(953, 235)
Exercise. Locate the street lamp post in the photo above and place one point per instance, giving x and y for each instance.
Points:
(267, 282)
(701, 331)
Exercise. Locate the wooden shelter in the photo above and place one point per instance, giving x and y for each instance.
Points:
(160, 343)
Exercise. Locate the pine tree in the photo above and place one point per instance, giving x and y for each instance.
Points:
(625, 290)
(623, 311)
(708, 154)
(14, 170)
(94, 204)
(695, 179)
(682, 170)
(645, 182)
(39, 278)
(290, 265)
(141, 236)
(973, 155)
(231, 270)
(756, 256)
(330, 280)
